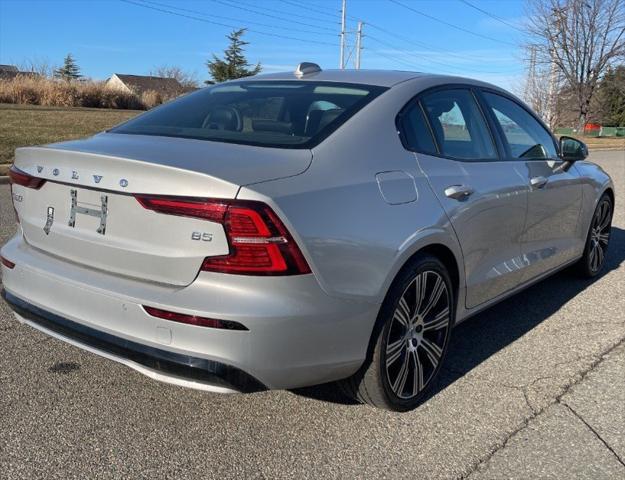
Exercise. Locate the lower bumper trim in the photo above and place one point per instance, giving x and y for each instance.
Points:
(169, 363)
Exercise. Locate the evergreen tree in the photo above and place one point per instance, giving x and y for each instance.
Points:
(234, 64)
(611, 96)
(69, 70)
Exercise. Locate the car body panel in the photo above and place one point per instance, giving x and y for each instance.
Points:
(227, 163)
(492, 251)
(552, 236)
(359, 206)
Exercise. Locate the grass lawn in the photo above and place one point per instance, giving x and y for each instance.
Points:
(22, 125)
(605, 143)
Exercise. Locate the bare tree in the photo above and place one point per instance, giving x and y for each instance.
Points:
(580, 38)
(38, 65)
(186, 79)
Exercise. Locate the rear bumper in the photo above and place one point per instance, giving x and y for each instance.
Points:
(298, 335)
(163, 365)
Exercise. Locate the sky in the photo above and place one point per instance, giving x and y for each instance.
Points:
(135, 36)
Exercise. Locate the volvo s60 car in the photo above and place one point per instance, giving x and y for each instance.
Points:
(290, 229)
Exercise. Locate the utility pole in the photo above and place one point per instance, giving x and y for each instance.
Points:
(358, 44)
(343, 15)
(530, 83)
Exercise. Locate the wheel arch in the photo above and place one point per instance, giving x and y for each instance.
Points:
(610, 192)
(439, 244)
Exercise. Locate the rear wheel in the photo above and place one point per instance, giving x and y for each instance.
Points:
(598, 238)
(411, 337)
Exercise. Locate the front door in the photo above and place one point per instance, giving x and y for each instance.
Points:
(484, 197)
(551, 236)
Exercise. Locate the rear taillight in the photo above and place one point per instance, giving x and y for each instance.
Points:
(260, 244)
(7, 263)
(18, 177)
(193, 319)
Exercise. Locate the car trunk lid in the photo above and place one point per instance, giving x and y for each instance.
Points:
(87, 213)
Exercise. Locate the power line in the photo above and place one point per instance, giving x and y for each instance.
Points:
(430, 60)
(388, 56)
(499, 19)
(258, 32)
(281, 12)
(309, 8)
(452, 25)
(411, 41)
(275, 17)
(247, 22)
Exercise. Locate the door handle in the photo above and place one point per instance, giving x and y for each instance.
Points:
(538, 182)
(458, 192)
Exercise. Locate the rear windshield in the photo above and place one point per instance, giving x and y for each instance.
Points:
(292, 114)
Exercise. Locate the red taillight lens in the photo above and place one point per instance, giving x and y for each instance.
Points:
(17, 177)
(193, 320)
(186, 207)
(260, 244)
(7, 263)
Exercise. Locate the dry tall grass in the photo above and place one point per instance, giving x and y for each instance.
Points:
(56, 93)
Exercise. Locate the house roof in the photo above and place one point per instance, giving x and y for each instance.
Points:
(7, 72)
(141, 83)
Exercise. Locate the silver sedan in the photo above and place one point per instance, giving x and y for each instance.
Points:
(291, 229)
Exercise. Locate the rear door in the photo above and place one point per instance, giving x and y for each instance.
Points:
(551, 235)
(484, 197)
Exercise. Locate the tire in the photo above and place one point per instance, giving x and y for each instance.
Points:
(597, 240)
(410, 339)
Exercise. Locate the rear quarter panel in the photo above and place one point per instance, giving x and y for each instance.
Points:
(354, 239)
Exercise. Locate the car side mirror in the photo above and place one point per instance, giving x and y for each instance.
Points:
(572, 150)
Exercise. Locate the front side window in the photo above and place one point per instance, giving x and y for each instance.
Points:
(265, 113)
(526, 137)
(458, 125)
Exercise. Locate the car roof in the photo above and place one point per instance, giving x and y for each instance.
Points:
(382, 78)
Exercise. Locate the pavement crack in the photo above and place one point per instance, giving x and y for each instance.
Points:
(581, 419)
(537, 412)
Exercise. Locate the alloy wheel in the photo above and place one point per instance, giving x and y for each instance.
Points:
(600, 235)
(416, 337)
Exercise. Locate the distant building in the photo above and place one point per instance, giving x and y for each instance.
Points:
(8, 72)
(137, 84)
(8, 68)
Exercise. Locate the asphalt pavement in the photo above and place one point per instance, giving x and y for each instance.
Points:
(532, 388)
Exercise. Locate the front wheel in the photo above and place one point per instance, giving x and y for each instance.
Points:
(410, 339)
(597, 240)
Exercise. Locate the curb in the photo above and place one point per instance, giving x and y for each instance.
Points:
(4, 179)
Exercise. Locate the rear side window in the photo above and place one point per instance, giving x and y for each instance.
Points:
(526, 137)
(292, 114)
(416, 131)
(458, 125)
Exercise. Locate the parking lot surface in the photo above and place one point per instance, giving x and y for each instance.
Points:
(532, 388)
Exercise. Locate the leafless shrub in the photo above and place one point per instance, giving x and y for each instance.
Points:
(42, 91)
(151, 98)
(188, 80)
